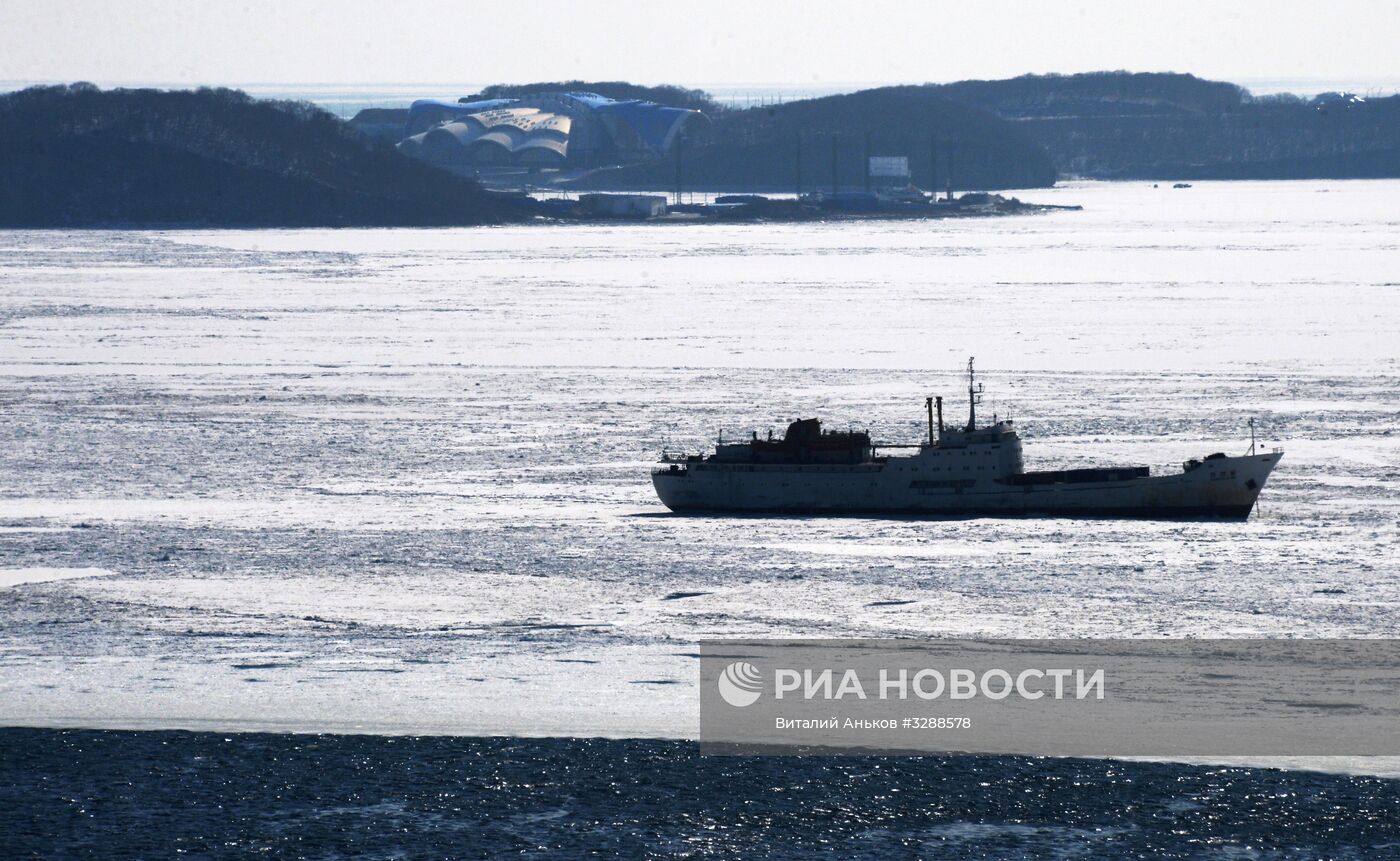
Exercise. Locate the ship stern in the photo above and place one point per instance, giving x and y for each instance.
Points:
(673, 487)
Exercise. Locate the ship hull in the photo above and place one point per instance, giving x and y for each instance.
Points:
(1223, 488)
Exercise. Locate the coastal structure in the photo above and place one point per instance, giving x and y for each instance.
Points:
(621, 205)
(574, 129)
(973, 470)
(503, 135)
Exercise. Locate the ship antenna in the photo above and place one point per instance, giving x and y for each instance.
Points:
(974, 393)
(1251, 435)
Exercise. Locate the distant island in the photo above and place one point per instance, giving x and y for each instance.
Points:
(612, 135)
(824, 144)
(1117, 125)
(77, 156)
(973, 135)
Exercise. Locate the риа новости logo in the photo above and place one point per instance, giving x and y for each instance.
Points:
(740, 684)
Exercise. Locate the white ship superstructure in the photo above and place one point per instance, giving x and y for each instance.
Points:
(957, 472)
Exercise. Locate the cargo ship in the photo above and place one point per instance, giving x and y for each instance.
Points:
(966, 471)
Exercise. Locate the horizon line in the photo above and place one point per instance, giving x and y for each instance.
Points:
(1275, 84)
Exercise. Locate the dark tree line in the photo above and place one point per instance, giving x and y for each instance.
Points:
(665, 94)
(821, 144)
(1026, 131)
(1162, 126)
(77, 155)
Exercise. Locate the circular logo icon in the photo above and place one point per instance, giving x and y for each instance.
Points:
(740, 684)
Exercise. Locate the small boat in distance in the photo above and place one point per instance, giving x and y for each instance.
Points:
(958, 472)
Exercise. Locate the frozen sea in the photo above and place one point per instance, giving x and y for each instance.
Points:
(396, 481)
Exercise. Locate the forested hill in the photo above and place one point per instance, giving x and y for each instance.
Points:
(1173, 126)
(1026, 131)
(76, 155)
(821, 143)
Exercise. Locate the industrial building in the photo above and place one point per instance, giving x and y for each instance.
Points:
(622, 205)
(577, 130)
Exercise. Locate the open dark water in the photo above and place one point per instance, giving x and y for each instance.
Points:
(102, 794)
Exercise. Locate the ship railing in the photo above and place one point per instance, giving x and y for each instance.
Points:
(677, 457)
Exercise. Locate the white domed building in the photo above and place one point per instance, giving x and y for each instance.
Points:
(548, 130)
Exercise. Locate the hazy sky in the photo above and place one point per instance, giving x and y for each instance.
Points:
(696, 42)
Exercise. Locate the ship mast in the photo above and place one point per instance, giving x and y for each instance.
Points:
(974, 394)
